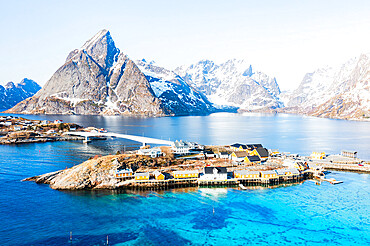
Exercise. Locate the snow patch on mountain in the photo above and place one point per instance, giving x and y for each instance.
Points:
(336, 92)
(173, 91)
(11, 93)
(233, 83)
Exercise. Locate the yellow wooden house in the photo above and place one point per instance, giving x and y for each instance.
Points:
(261, 152)
(254, 159)
(300, 166)
(142, 176)
(185, 174)
(238, 156)
(124, 173)
(287, 172)
(158, 175)
(246, 174)
(318, 155)
(268, 174)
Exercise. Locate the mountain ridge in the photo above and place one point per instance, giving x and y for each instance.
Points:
(341, 92)
(11, 94)
(99, 79)
(233, 83)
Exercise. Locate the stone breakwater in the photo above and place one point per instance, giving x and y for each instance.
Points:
(365, 168)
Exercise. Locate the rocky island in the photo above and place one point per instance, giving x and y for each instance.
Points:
(161, 168)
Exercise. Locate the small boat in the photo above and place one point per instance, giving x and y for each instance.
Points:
(243, 187)
(334, 181)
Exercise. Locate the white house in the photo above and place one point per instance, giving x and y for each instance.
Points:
(124, 173)
(223, 155)
(210, 154)
(153, 152)
(58, 121)
(182, 147)
(293, 164)
(214, 173)
(17, 128)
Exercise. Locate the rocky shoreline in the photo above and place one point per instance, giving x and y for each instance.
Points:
(99, 173)
(39, 140)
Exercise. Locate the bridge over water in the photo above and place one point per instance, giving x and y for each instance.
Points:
(143, 140)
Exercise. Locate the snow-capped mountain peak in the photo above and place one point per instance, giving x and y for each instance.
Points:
(233, 83)
(338, 92)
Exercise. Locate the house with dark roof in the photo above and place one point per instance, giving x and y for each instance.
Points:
(238, 147)
(252, 159)
(263, 153)
(214, 173)
(257, 146)
(238, 156)
(209, 154)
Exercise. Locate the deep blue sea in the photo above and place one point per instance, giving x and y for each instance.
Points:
(304, 214)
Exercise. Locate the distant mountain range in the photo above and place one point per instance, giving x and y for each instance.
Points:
(342, 92)
(233, 83)
(99, 79)
(11, 93)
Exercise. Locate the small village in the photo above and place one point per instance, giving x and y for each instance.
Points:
(236, 164)
(18, 130)
(184, 163)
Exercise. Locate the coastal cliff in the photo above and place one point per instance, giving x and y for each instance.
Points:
(92, 174)
(96, 173)
(99, 172)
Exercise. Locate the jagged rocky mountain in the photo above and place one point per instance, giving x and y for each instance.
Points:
(99, 79)
(342, 92)
(233, 83)
(172, 90)
(11, 93)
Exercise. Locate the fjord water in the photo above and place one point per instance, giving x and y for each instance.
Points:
(33, 214)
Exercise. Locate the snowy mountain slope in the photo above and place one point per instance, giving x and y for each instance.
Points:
(233, 83)
(11, 93)
(341, 92)
(171, 89)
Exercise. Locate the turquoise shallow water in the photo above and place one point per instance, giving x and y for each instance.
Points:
(304, 214)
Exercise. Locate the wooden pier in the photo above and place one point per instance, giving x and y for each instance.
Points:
(153, 184)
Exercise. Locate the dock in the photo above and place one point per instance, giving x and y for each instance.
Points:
(153, 184)
(332, 181)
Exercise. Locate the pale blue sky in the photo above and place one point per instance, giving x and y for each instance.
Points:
(282, 38)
